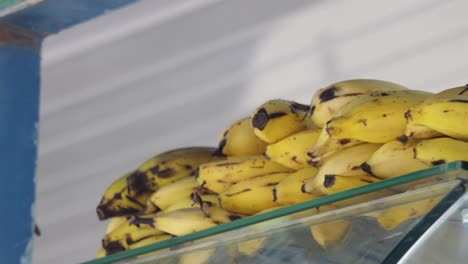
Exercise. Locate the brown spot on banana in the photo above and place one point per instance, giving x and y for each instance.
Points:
(458, 101)
(133, 200)
(136, 220)
(105, 212)
(437, 162)
(113, 247)
(464, 90)
(219, 151)
(328, 94)
(403, 139)
(367, 168)
(329, 180)
(363, 121)
(274, 195)
(137, 182)
(234, 217)
(165, 173)
(239, 192)
(260, 119)
(344, 141)
(298, 108)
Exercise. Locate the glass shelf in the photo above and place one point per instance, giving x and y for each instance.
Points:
(287, 234)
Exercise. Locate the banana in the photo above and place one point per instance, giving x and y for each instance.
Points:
(175, 192)
(169, 167)
(437, 151)
(115, 222)
(446, 116)
(391, 160)
(347, 162)
(220, 175)
(239, 139)
(414, 131)
(292, 151)
(326, 146)
(277, 119)
(117, 201)
(149, 240)
(126, 234)
(331, 183)
(374, 119)
(252, 195)
(288, 191)
(326, 101)
(101, 253)
(187, 220)
(392, 217)
(190, 203)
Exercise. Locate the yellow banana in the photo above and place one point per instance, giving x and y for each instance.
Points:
(115, 222)
(326, 146)
(292, 151)
(187, 220)
(331, 183)
(414, 131)
(277, 119)
(169, 167)
(240, 140)
(446, 115)
(288, 191)
(347, 162)
(149, 240)
(392, 159)
(375, 119)
(117, 201)
(101, 253)
(252, 195)
(437, 151)
(220, 175)
(392, 217)
(190, 203)
(174, 192)
(126, 234)
(328, 100)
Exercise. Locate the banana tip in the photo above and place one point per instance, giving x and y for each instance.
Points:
(101, 213)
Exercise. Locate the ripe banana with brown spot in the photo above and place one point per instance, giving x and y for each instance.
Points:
(117, 201)
(191, 203)
(414, 131)
(277, 119)
(375, 119)
(327, 101)
(239, 139)
(292, 150)
(288, 191)
(393, 159)
(187, 220)
(125, 234)
(331, 183)
(252, 195)
(446, 116)
(220, 175)
(175, 192)
(347, 162)
(442, 150)
(169, 167)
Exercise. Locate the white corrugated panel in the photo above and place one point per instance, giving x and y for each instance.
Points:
(169, 73)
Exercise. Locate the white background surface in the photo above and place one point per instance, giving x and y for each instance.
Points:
(162, 74)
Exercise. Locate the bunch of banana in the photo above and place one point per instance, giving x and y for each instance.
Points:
(416, 130)
(118, 201)
(220, 175)
(239, 139)
(168, 167)
(277, 119)
(441, 150)
(292, 151)
(328, 100)
(375, 118)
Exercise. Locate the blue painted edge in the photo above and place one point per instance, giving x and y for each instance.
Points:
(52, 16)
(19, 108)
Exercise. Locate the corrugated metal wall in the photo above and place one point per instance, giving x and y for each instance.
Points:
(163, 74)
